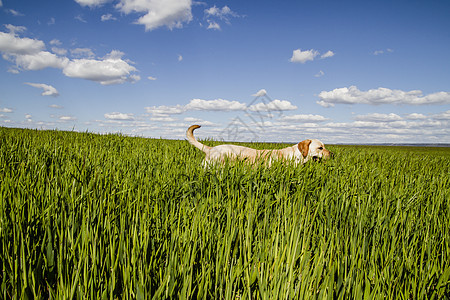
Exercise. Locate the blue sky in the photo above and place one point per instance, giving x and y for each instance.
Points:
(340, 71)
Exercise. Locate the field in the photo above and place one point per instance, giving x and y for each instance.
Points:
(86, 216)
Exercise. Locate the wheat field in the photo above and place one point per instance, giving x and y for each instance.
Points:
(87, 216)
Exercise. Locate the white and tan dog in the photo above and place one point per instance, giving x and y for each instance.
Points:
(299, 153)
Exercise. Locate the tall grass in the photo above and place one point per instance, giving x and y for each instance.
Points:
(108, 216)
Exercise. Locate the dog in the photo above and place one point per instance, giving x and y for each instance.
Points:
(299, 153)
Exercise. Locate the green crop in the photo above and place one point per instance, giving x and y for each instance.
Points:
(86, 216)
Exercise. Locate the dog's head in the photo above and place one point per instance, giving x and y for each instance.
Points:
(313, 149)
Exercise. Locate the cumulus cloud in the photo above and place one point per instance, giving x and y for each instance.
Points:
(213, 25)
(445, 116)
(352, 95)
(198, 121)
(260, 93)
(275, 105)
(59, 51)
(26, 53)
(222, 13)
(5, 110)
(377, 117)
(67, 118)
(39, 61)
(11, 44)
(30, 55)
(92, 3)
(299, 56)
(214, 13)
(13, 29)
(415, 116)
(329, 53)
(196, 104)
(82, 53)
(215, 105)
(108, 17)
(163, 110)
(304, 118)
(119, 116)
(110, 70)
(158, 13)
(48, 89)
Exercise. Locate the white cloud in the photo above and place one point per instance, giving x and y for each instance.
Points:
(27, 53)
(352, 95)
(82, 53)
(6, 110)
(304, 118)
(320, 74)
(214, 13)
(196, 104)
(119, 116)
(198, 121)
(377, 117)
(56, 106)
(163, 110)
(445, 116)
(15, 29)
(180, 58)
(379, 52)
(92, 3)
(215, 105)
(59, 51)
(275, 105)
(15, 13)
(158, 13)
(39, 61)
(163, 119)
(260, 93)
(213, 25)
(67, 118)
(48, 89)
(415, 116)
(329, 53)
(10, 43)
(80, 18)
(111, 70)
(151, 78)
(223, 12)
(55, 42)
(108, 17)
(299, 56)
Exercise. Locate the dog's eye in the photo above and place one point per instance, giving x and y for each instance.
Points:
(320, 148)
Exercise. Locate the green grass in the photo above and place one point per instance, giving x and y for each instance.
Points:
(85, 216)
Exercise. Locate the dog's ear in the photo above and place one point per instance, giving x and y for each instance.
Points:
(304, 147)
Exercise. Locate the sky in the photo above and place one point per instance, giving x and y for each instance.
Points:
(345, 72)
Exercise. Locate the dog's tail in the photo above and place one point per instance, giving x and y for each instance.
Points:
(193, 141)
